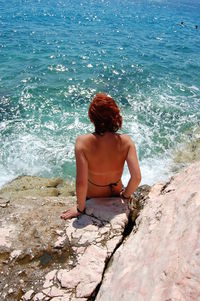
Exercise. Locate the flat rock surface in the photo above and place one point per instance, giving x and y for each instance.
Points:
(45, 258)
(160, 260)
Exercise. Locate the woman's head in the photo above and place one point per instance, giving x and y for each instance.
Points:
(104, 114)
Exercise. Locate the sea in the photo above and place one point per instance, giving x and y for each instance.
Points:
(56, 55)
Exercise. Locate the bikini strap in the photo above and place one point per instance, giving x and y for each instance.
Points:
(108, 185)
(111, 184)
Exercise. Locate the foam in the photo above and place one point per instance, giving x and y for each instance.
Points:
(153, 170)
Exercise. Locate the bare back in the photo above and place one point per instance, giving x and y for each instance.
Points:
(105, 156)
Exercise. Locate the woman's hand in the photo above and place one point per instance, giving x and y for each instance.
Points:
(125, 197)
(70, 213)
(129, 199)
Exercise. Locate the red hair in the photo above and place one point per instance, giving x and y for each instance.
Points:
(104, 114)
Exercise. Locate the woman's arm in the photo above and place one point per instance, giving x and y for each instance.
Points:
(81, 181)
(134, 169)
(81, 174)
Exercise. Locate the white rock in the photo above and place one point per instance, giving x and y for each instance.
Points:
(10, 291)
(63, 298)
(160, 260)
(28, 295)
(49, 278)
(39, 297)
(87, 274)
(53, 292)
(83, 233)
(15, 254)
(60, 242)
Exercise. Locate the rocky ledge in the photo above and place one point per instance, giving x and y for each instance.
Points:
(160, 260)
(45, 258)
(105, 254)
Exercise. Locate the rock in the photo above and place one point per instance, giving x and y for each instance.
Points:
(141, 194)
(139, 198)
(160, 260)
(66, 189)
(49, 278)
(4, 203)
(39, 297)
(53, 292)
(60, 242)
(52, 259)
(88, 272)
(189, 151)
(32, 186)
(15, 254)
(28, 295)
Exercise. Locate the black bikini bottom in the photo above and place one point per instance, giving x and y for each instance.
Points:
(111, 185)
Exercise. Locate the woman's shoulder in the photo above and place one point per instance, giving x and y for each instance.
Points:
(82, 139)
(126, 138)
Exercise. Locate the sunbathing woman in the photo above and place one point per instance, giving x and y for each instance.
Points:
(100, 157)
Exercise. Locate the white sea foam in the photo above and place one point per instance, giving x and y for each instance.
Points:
(58, 68)
(29, 154)
(5, 177)
(153, 170)
(194, 88)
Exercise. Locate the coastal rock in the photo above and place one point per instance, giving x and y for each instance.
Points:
(189, 151)
(139, 199)
(160, 260)
(32, 186)
(43, 257)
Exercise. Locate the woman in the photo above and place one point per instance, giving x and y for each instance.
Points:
(100, 157)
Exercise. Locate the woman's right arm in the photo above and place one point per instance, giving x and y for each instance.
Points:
(81, 181)
(134, 169)
(81, 173)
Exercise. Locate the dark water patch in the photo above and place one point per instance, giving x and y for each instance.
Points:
(45, 259)
(49, 258)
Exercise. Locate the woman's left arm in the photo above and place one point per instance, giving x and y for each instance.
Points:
(81, 181)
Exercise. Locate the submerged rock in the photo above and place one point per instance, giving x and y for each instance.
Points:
(160, 260)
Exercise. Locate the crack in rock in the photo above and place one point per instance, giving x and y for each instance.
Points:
(92, 237)
(58, 260)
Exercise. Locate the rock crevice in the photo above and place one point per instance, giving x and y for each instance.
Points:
(162, 252)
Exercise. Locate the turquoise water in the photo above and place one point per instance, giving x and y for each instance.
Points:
(54, 57)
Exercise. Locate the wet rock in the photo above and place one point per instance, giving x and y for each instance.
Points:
(32, 186)
(160, 260)
(189, 151)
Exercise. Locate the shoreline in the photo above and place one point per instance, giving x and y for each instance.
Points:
(184, 154)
